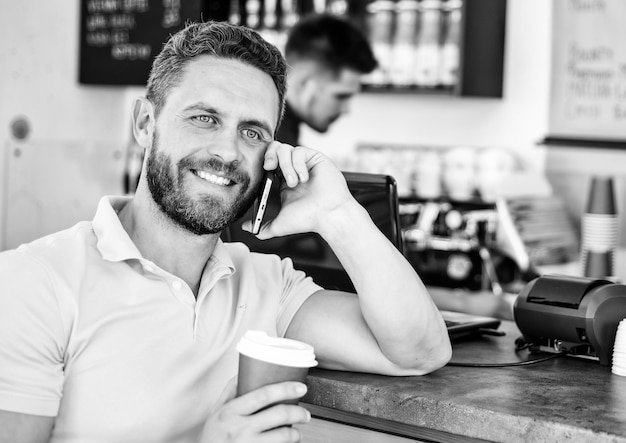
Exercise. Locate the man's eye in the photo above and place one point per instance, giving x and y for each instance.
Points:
(203, 118)
(252, 134)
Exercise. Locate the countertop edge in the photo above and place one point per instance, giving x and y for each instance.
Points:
(445, 416)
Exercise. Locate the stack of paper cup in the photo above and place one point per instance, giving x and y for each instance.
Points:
(619, 350)
(599, 230)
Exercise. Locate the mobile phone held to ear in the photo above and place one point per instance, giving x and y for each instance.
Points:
(260, 204)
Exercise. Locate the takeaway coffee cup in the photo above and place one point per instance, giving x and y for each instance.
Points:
(265, 360)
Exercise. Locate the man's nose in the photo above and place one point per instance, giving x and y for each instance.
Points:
(226, 147)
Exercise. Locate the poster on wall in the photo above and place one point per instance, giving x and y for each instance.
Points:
(120, 38)
(588, 79)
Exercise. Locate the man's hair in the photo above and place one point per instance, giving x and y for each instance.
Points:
(332, 41)
(218, 39)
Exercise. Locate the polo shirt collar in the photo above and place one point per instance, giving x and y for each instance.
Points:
(115, 244)
(221, 255)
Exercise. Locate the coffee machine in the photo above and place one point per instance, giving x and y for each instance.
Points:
(457, 245)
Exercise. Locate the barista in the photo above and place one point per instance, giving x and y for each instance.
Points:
(327, 55)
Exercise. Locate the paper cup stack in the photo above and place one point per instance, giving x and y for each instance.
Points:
(619, 350)
(599, 230)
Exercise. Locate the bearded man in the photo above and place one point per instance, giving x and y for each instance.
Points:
(124, 328)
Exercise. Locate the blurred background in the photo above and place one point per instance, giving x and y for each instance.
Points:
(482, 110)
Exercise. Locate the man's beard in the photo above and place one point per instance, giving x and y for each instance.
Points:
(206, 214)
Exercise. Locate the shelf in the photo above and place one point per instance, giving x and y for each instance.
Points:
(482, 41)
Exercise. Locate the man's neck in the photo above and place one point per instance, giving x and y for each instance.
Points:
(166, 244)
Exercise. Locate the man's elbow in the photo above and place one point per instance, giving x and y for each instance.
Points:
(425, 362)
(437, 359)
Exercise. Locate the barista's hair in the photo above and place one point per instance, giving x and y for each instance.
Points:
(218, 39)
(331, 41)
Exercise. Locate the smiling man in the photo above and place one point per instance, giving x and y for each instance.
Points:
(124, 328)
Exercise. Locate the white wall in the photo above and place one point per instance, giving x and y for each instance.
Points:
(38, 80)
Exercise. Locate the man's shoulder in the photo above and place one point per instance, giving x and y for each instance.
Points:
(79, 235)
(58, 249)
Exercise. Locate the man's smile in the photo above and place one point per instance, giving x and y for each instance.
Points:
(212, 178)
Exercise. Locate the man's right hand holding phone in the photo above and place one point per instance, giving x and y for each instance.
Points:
(312, 188)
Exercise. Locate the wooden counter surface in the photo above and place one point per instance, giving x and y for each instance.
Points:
(563, 399)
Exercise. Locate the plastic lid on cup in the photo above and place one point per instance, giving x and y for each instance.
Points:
(277, 350)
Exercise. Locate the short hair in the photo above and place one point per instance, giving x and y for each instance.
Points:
(332, 41)
(218, 39)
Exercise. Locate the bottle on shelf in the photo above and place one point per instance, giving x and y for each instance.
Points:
(428, 47)
(337, 7)
(234, 14)
(402, 63)
(320, 6)
(269, 26)
(380, 24)
(451, 46)
(253, 14)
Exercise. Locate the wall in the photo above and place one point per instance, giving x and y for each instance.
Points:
(38, 80)
(38, 65)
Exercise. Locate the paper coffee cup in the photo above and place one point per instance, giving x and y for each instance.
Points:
(265, 360)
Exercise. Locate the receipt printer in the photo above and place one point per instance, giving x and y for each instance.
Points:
(575, 315)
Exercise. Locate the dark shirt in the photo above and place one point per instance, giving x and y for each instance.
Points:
(289, 130)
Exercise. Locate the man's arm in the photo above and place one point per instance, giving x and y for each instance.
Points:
(24, 428)
(392, 326)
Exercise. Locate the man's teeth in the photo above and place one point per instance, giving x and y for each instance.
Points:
(211, 178)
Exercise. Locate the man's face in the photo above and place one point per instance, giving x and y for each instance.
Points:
(205, 163)
(333, 93)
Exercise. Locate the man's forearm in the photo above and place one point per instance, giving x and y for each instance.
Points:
(394, 302)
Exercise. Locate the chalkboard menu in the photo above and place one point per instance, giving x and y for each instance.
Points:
(588, 84)
(120, 38)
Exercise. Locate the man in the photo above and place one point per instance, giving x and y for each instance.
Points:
(124, 328)
(327, 57)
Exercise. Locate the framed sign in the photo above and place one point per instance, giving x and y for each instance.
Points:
(120, 38)
(588, 79)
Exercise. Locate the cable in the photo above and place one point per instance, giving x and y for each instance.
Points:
(520, 344)
(502, 365)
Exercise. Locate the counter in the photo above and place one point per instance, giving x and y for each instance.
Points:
(562, 399)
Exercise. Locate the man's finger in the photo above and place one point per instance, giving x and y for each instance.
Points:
(299, 161)
(285, 163)
(268, 395)
(277, 416)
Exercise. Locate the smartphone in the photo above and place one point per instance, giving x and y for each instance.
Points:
(260, 204)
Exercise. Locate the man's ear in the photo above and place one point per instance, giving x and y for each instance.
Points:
(143, 121)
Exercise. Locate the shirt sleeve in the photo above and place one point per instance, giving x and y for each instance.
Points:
(297, 288)
(32, 337)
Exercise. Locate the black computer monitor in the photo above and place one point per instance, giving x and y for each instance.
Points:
(377, 193)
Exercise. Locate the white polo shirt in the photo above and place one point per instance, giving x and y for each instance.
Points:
(120, 350)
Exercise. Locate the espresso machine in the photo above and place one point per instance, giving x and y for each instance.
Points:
(455, 245)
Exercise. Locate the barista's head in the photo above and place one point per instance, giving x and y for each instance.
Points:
(327, 56)
(217, 39)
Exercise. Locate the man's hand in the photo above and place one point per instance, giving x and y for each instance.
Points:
(252, 418)
(313, 188)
